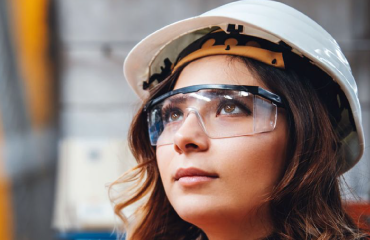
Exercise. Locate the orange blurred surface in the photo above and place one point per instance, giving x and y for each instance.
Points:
(31, 34)
(360, 213)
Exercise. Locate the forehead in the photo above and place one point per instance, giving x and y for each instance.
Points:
(219, 69)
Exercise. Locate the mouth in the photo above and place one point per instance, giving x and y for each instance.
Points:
(192, 176)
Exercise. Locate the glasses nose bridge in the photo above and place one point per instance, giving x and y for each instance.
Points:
(197, 115)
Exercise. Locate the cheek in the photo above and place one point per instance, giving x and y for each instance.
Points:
(254, 164)
(259, 161)
(164, 156)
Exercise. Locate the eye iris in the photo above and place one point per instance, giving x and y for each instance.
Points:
(175, 116)
(229, 108)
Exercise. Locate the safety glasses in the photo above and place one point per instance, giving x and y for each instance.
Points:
(222, 111)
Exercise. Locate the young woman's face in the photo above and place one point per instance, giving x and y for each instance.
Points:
(244, 169)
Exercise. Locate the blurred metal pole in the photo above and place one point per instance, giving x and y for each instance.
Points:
(6, 220)
(12, 104)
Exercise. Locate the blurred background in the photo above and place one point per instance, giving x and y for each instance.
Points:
(65, 107)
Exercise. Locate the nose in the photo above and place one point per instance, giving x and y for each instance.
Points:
(190, 137)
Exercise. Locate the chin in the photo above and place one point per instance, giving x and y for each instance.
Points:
(197, 209)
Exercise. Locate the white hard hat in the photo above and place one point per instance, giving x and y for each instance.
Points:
(264, 19)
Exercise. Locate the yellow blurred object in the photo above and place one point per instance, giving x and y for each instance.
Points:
(6, 230)
(30, 19)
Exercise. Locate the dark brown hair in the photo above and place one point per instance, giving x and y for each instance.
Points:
(305, 204)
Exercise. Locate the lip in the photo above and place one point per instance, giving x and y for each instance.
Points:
(193, 176)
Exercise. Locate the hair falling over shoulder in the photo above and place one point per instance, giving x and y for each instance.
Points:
(306, 203)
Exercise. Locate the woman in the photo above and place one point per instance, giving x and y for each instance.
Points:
(250, 115)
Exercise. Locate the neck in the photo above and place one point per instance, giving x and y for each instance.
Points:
(252, 227)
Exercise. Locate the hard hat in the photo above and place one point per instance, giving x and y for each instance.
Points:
(263, 19)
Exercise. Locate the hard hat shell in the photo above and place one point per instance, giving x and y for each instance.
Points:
(265, 19)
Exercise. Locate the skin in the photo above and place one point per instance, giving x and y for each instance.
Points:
(233, 205)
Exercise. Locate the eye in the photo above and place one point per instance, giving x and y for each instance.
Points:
(233, 108)
(230, 109)
(174, 116)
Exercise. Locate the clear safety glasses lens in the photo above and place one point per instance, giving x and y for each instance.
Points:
(221, 113)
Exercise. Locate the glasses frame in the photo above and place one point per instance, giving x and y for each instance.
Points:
(195, 88)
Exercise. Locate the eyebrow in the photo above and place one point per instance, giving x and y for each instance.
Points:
(177, 99)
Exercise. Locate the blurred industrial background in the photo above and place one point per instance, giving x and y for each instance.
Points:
(65, 107)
